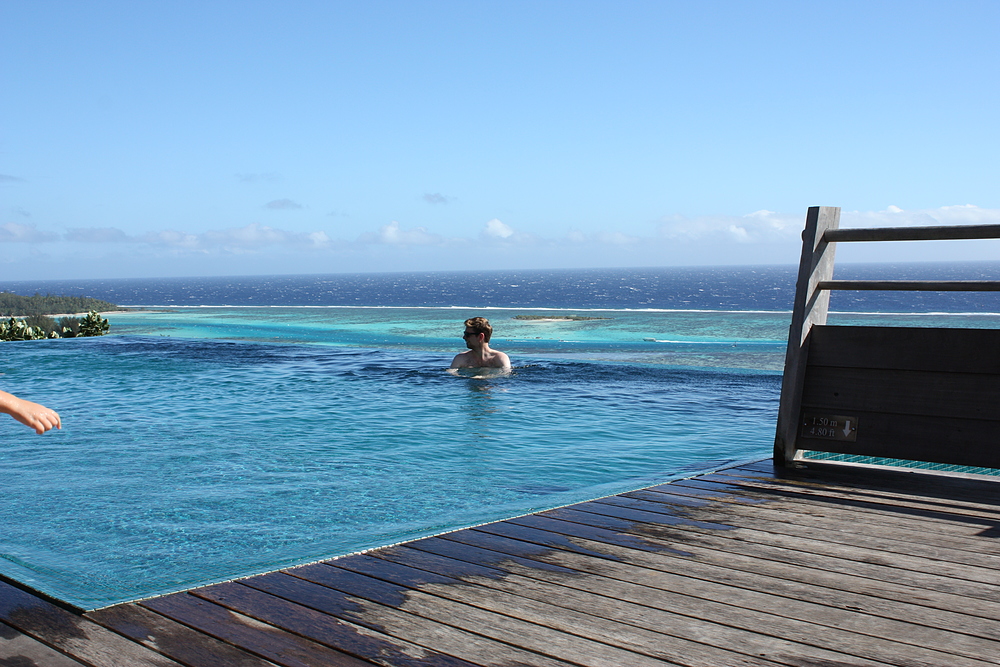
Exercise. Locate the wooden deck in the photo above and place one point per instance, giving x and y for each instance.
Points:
(749, 566)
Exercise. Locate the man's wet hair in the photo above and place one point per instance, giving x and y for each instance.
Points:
(480, 325)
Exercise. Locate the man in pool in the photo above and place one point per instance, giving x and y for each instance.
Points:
(480, 355)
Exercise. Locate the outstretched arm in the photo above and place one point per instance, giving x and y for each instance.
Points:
(30, 414)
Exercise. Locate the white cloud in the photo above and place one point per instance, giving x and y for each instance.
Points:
(616, 238)
(97, 235)
(13, 232)
(893, 216)
(760, 237)
(759, 226)
(318, 238)
(251, 237)
(393, 234)
(739, 234)
(172, 239)
(497, 230)
(236, 239)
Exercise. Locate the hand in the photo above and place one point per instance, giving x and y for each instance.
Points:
(33, 415)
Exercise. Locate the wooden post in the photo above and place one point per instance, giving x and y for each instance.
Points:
(811, 304)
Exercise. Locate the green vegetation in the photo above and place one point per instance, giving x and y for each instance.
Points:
(19, 330)
(570, 318)
(93, 325)
(15, 305)
(37, 327)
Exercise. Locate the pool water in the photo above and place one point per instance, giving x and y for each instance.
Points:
(184, 461)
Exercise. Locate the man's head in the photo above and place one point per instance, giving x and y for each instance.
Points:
(478, 325)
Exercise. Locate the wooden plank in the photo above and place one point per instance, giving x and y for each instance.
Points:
(928, 233)
(450, 642)
(635, 522)
(859, 526)
(724, 566)
(475, 547)
(672, 602)
(927, 489)
(19, 650)
(913, 285)
(981, 493)
(838, 528)
(916, 489)
(900, 555)
(963, 534)
(646, 629)
(319, 613)
(267, 641)
(183, 644)
(906, 348)
(840, 390)
(438, 555)
(678, 539)
(528, 636)
(71, 634)
(958, 522)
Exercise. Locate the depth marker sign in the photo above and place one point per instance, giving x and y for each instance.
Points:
(829, 427)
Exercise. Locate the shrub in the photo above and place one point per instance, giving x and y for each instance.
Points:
(43, 322)
(14, 329)
(37, 327)
(69, 327)
(93, 325)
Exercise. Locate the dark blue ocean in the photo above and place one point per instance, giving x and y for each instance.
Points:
(768, 288)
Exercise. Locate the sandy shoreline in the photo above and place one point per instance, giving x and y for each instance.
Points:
(103, 313)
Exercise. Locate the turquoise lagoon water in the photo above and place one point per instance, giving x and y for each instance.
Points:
(204, 444)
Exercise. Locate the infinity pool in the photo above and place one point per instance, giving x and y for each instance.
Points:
(184, 461)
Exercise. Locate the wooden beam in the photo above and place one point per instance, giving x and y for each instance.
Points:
(936, 233)
(810, 308)
(913, 285)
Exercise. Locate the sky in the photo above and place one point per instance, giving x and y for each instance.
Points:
(146, 139)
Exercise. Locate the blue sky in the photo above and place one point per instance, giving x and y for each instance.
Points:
(142, 138)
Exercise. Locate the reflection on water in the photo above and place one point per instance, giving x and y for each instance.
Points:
(480, 403)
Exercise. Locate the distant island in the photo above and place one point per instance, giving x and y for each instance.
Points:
(570, 318)
(15, 305)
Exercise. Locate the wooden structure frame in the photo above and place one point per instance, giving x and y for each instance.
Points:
(922, 394)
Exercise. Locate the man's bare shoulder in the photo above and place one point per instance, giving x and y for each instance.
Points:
(468, 359)
(500, 360)
(462, 360)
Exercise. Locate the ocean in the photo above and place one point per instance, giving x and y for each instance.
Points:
(742, 288)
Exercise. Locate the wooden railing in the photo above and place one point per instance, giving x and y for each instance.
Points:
(924, 395)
